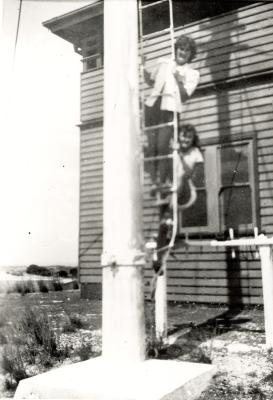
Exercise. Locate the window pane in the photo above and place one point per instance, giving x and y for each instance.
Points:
(237, 206)
(196, 215)
(234, 164)
(190, 11)
(155, 18)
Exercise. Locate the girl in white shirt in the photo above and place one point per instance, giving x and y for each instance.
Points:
(189, 156)
(173, 82)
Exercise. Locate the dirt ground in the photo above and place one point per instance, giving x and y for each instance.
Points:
(233, 340)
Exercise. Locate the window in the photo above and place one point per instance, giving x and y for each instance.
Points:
(225, 191)
(92, 50)
(156, 17)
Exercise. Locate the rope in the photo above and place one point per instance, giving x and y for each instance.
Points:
(174, 201)
(175, 147)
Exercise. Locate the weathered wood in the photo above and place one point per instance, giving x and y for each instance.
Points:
(216, 299)
(93, 279)
(207, 284)
(214, 274)
(217, 291)
(240, 45)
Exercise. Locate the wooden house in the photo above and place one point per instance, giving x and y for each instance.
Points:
(232, 111)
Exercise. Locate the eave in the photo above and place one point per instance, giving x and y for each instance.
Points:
(77, 24)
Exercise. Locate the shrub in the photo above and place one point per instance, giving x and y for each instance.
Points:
(57, 286)
(62, 273)
(74, 322)
(14, 365)
(69, 328)
(32, 341)
(24, 287)
(43, 288)
(75, 285)
(74, 272)
(37, 328)
(85, 351)
(36, 270)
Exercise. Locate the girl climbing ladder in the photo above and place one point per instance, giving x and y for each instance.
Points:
(170, 153)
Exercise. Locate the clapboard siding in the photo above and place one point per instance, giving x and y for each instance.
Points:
(233, 100)
(91, 95)
(230, 47)
(91, 181)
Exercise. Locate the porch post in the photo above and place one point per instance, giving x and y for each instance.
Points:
(267, 278)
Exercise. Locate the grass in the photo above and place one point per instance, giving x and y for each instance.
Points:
(14, 365)
(59, 327)
(33, 337)
(74, 322)
(32, 340)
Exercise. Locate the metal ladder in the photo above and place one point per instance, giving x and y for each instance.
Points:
(145, 129)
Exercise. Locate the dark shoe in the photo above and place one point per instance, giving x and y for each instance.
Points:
(156, 265)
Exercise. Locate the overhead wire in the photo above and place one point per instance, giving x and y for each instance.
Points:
(17, 29)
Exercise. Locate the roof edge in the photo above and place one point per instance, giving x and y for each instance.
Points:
(81, 13)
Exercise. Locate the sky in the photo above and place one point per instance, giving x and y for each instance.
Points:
(39, 137)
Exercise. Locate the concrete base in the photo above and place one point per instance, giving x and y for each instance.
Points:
(97, 379)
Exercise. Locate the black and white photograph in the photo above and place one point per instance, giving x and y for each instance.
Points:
(137, 200)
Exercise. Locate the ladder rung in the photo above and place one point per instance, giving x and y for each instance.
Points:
(162, 202)
(163, 95)
(164, 186)
(154, 3)
(155, 158)
(150, 128)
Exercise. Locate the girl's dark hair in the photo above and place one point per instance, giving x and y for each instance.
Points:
(185, 41)
(188, 128)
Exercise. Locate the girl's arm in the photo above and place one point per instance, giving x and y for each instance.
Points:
(187, 84)
(183, 93)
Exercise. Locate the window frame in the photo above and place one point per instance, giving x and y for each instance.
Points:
(215, 217)
(97, 50)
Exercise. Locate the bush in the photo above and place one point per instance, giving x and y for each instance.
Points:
(69, 328)
(30, 345)
(37, 329)
(57, 286)
(62, 274)
(75, 285)
(14, 365)
(74, 322)
(74, 272)
(36, 270)
(24, 287)
(85, 351)
(43, 288)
